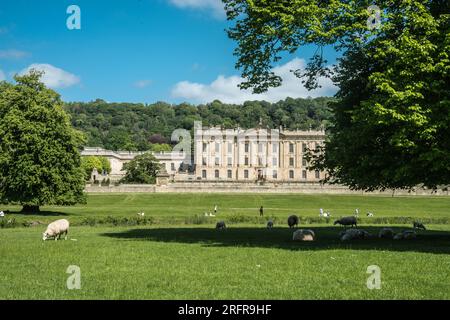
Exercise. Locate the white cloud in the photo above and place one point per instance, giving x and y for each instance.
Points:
(53, 77)
(216, 6)
(142, 83)
(2, 75)
(226, 90)
(13, 54)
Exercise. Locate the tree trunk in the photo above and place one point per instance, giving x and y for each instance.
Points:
(30, 209)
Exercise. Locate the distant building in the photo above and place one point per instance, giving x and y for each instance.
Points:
(255, 154)
(228, 155)
(171, 160)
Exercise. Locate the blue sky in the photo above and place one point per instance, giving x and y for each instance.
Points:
(133, 51)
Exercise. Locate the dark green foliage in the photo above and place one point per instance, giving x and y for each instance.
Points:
(129, 126)
(142, 169)
(39, 150)
(391, 121)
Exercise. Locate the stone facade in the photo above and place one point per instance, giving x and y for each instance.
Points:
(259, 154)
(171, 160)
(233, 155)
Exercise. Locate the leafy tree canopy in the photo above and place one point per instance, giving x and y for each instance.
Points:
(90, 162)
(391, 121)
(39, 149)
(142, 169)
(130, 126)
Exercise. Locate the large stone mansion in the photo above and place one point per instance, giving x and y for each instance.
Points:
(233, 155)
(255, 154)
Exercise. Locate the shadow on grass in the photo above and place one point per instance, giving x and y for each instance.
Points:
(281, 238)
(37, 214)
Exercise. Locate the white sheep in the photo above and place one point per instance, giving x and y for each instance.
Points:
(56, 229)
(270, 224)
(303, 235)
(221, 225)
(2, 214)
(386, 233)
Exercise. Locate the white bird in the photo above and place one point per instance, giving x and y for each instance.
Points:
(141, 214)
(369, 214)
(321, 212)
(327, 214)
(2, 214)
(356, 212)
(206, 214)
(211, 215)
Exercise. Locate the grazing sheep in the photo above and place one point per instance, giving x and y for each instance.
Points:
(418, 225)
(405, 235)
(33, 223)
(220, 225)
(303, 235)
(292, 221)
(56, 229)
(270, 224)
(408, 235)
(352, 234)
(347, 221)
(386, 233)
(325, 214)
(398, 236)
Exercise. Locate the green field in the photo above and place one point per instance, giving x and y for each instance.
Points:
(175, 253)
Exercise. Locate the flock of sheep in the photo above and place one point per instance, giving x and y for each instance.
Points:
(345, 235)
(61, 227)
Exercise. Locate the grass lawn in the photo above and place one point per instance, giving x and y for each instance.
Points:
(184, 260)
(166, 207)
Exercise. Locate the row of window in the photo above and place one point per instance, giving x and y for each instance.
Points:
(274, 174)
(260, 161)
(260, 147)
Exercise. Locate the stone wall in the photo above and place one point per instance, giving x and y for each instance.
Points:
(215, 187)
(123, 188)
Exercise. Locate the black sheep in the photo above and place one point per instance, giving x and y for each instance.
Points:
(292, 221)
(347, 221)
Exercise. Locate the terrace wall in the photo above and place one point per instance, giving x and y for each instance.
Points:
(214, 187)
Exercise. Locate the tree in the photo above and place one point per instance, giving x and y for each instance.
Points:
(106, 165)
(92, 162)
(108, 125)
(160, 147)
(391, 120)
(142, 169)
(39, 150)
